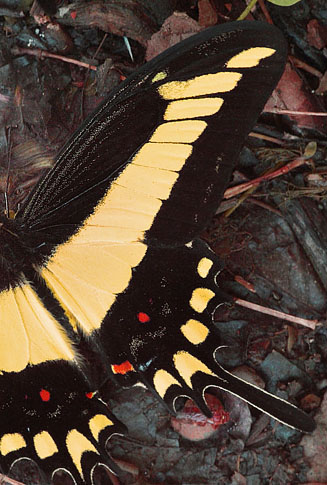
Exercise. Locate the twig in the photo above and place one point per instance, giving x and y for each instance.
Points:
(306, 67)
(268, 207)
(4, 480)
(265, 12)
(267, 137)
(275, 313)
(292, 112)
(41, 53)
(253, 183)
(247, 10)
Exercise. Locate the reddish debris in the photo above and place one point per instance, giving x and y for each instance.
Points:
(291, 94)
(207, 13)
(310, 402)
(317, 34)
(195, 426)
(175, 28)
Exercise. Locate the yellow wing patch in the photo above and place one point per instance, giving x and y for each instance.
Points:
(77, 444)
(200, 299)
(204, 267)
(78, 276)
(186, 131)
(153, 182)
(98, 423)
(192, 108)
(163, 155)
(250, 57)
(44, 445)
(159, 76)
(31, 335)
(194, 331)
(162, 380)
(187, 365)
(11, 442)
(220, 82)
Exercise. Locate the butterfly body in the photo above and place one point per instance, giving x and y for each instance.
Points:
(106, 246)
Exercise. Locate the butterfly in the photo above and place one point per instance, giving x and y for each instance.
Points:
(106, 247)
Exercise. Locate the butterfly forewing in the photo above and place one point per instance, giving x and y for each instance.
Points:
(182, 117)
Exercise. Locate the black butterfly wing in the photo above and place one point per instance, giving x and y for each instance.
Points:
(155, 160)
(166, 318)
(46, 411)
(149, 168)
(181, 118)
(99, 247)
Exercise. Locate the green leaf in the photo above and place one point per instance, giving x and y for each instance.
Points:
(284, 3)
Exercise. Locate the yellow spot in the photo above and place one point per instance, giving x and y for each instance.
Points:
(98, 423)
(159, 76)
(166, 156)
(186, 131)
(29, 334)
(187, 365)
(250, 57)
(194, 331)
(221, 82)
(162, 380)
(11, 442)
(192, 108)
(44, 445)
(77, 444)
(200, 299)
(204, 267)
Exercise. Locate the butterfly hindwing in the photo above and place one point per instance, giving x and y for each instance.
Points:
(46, 413)
(174, 292)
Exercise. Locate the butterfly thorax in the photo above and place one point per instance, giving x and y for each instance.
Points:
(17, 254)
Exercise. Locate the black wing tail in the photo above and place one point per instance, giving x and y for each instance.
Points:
(270, 404)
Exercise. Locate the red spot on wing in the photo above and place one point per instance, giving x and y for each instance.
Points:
(89, 395)
(73, 14)
(122, 368)
(143, 317)
(45, 395)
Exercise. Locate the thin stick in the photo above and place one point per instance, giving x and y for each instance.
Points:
(4, 480)
(266, 137)
(41, 53)
(238, 189)
(247, 10)
(275, 313)
(292, 112)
